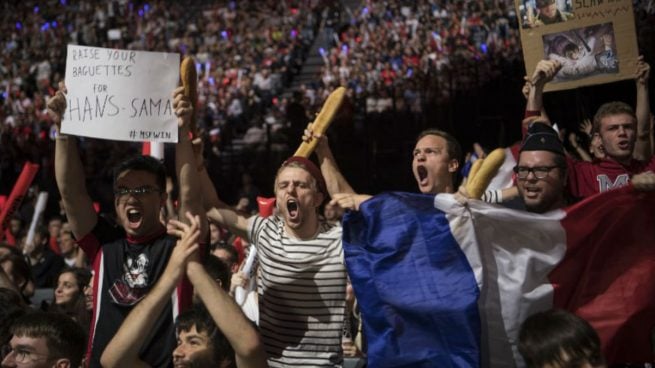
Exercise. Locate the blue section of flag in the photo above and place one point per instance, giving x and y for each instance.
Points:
(417, 292)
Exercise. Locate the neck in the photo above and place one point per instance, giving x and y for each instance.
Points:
(623, 161)
(306, 231)
(134, 239)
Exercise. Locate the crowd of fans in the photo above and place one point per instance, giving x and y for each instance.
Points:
(393, 56)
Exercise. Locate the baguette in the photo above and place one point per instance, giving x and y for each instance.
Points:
(189, 78)
(323, 120)
(477, 184)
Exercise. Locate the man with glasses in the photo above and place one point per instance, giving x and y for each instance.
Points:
(541, 170)
(127, 262)
(44, 340)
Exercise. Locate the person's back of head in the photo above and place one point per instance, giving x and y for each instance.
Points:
(219, 270)
(12, 307)
(63, 337)
(556, 338)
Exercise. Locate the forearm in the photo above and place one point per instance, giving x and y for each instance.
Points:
(643, 149)
(69, 174)
(190, 199)
(209, 195)
(535, 98)
(123, 349)
(227, 217)
(229, 318)
(334, 180)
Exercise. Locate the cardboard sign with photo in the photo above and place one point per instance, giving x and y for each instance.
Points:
(594, 40)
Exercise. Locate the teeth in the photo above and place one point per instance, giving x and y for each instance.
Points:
(132, 212)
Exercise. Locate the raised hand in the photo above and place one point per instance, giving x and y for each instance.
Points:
(57, 105)
(349, 201)
(182, 107)
(545, 71)
(186, 248)
(643, 71)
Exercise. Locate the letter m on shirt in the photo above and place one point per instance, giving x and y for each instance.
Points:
(605, 184)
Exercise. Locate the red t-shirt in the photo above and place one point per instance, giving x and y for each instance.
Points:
(588, 178)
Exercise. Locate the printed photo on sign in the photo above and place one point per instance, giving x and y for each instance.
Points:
(583, 52)
(538, 13)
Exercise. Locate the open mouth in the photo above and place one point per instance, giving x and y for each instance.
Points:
(292, 208)
(624, 145)
(531, 192)
(134, 217)
(422, 174)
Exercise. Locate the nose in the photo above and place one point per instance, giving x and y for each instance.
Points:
(178, 352)
(291, 188)
(8, 361)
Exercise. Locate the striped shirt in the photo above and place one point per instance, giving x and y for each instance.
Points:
(301, 286)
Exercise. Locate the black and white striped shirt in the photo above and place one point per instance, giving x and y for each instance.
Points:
(301, 286)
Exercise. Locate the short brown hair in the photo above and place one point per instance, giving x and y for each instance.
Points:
(63, 336)
(453, 148)
(610, 109)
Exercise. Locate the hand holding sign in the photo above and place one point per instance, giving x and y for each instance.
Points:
(57, 106)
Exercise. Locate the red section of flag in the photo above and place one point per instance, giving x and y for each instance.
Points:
(607, 276)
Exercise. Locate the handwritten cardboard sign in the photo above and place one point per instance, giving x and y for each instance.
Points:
(594, 40)
(121, 94)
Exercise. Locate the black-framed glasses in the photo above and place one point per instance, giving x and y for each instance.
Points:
(121, 191)
(21, 355)
(539, 172)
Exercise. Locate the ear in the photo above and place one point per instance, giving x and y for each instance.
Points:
(62, 363)
(453, 165)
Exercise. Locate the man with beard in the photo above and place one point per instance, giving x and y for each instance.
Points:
(127, 262)
(302, 277)
(541, 170)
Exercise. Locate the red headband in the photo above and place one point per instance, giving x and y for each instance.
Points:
(312, 169)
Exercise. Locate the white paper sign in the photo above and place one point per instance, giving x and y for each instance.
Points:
(121, 94)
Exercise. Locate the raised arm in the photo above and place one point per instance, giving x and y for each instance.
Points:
(123, 349)
(190, 198)
(543, 73)
(229, 318)
(69, 173)
(643, 149)
(334, 180)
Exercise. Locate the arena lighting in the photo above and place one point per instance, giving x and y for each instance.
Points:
(224, 34)
(19, 26)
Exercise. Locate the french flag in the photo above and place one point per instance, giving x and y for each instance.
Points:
(442, 284)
